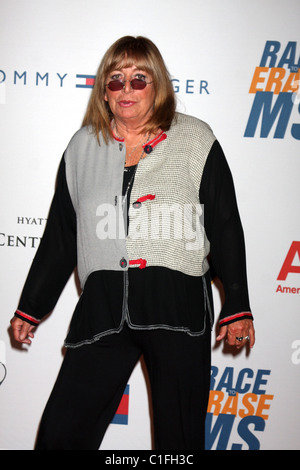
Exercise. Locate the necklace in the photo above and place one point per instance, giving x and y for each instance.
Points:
(141, 142)
(144, 138)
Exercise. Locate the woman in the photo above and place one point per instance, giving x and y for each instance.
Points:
(128, 212)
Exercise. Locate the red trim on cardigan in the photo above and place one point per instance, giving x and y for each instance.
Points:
(142, 262)
(28, 317)
(159, 138)
(145, 198)
(118, 139)
(235, 317)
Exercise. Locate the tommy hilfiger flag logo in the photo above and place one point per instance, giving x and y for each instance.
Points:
(121, 416)
(86, 81)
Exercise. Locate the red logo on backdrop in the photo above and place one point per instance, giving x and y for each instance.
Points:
(290, 266)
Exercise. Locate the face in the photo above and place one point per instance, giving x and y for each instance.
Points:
(132, 107)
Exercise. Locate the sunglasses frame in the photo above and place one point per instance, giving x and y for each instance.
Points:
(123, 83)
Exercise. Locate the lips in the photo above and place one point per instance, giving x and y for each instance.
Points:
(126, 104)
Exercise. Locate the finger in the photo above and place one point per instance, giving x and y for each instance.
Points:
(244, 340)
(252, 337)
(237, 339)
(26, 333)
(222, 333)
(240, 343)
(232, 341)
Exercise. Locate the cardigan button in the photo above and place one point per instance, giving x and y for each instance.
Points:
(137, 204)
(123, 263)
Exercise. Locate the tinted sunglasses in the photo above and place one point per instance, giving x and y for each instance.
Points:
(135, 83)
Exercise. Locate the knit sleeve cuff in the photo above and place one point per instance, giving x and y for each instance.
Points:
(28, 318)
(236, 317)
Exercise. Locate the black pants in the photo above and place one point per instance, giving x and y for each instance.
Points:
(93, 377)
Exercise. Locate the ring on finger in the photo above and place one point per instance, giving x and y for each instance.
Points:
(241, 338)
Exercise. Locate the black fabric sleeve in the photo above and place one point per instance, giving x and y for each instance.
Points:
(55, 259)
(225, 233)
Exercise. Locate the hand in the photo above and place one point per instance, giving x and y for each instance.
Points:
(238, 329)
(22, 331)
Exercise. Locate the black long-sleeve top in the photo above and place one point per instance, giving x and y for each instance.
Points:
(156, 297)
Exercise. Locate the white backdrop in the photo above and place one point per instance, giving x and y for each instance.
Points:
(212, 50)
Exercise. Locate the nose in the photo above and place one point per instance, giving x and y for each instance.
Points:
(127, 86)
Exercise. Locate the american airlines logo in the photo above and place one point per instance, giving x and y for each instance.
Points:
(290, 268)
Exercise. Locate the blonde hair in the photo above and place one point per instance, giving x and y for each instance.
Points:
(142, 53)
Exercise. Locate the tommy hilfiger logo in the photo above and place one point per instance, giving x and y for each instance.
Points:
(80, 81)
(121, 415)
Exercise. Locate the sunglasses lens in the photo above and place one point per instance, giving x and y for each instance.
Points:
(115, 85)
(137, 84)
